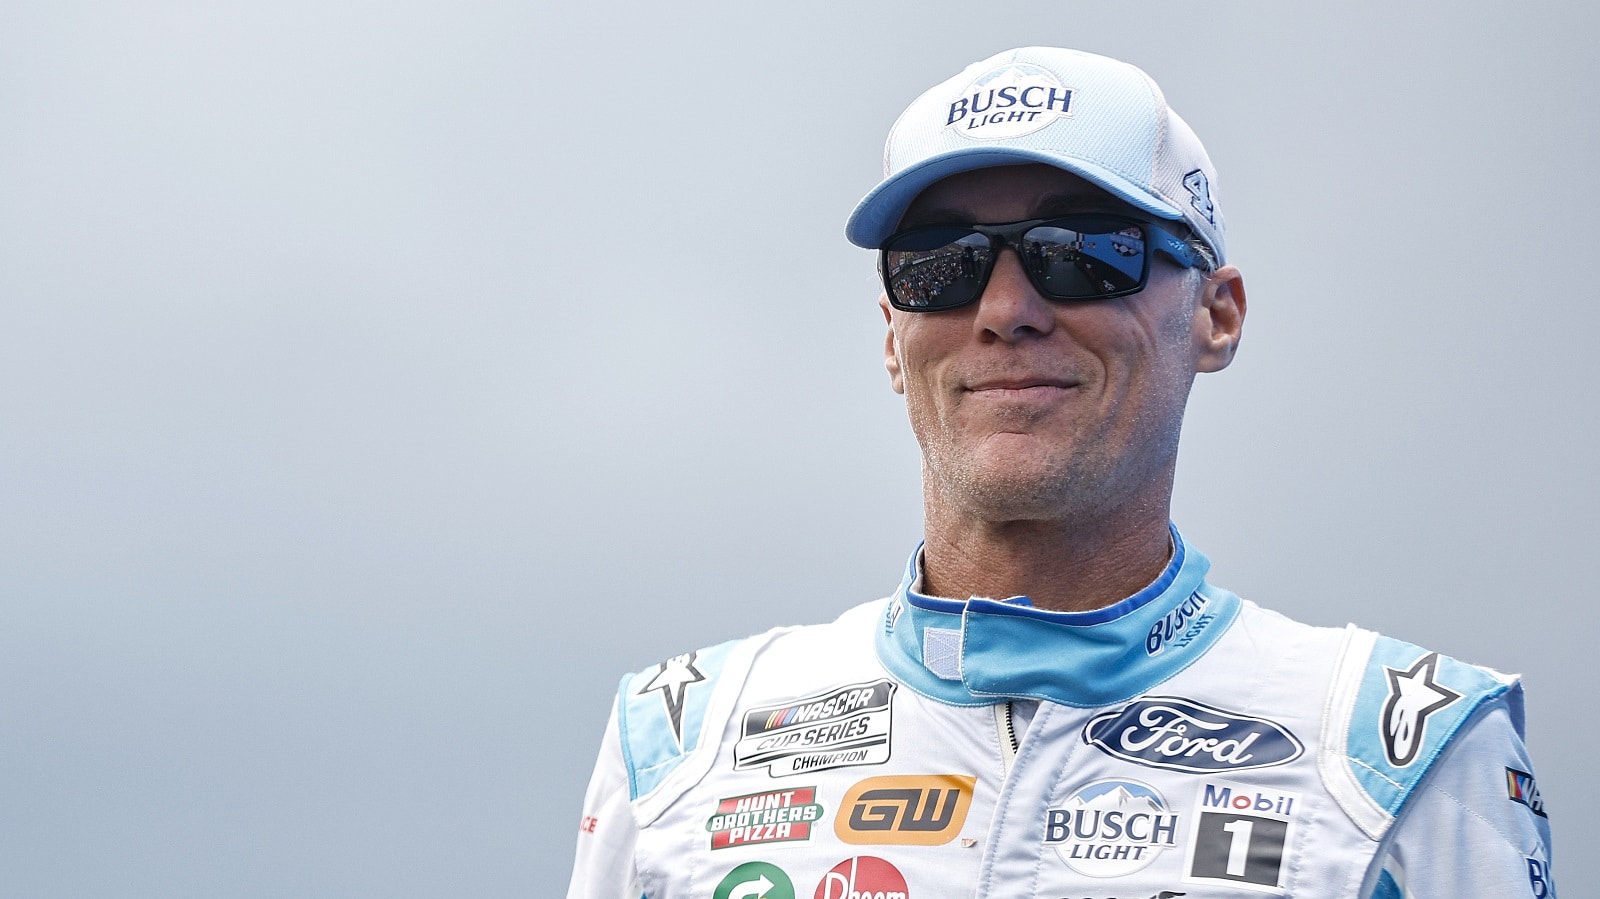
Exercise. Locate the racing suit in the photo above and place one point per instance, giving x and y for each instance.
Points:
(1183, 742)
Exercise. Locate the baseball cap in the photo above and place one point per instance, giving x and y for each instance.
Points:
(1099, 118)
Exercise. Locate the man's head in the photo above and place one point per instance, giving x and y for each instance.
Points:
(1053, 386)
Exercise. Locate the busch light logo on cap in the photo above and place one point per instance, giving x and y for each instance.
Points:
(1183, 735)
(1010, 101)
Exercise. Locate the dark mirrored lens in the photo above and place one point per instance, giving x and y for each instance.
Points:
(936, 268)
(1083, 259)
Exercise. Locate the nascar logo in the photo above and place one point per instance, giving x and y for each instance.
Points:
(1520, 787)
(847, 726)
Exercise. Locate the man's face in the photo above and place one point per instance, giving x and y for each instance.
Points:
(1029, 409)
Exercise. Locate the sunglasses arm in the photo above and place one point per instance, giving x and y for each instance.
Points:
(1177, 248)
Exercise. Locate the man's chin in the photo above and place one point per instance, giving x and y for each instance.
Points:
(1010, 489)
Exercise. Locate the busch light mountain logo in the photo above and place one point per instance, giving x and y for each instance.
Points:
(1010, 101)
(1183, 735)
(1111, 828)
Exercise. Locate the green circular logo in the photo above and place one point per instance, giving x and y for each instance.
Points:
(755, 880)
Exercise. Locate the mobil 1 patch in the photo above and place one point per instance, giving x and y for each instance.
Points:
(837, 728)
(1241, 835)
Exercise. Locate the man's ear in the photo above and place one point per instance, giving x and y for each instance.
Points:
(1220, 319)
(891, 357)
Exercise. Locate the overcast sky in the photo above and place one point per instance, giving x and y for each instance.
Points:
(381, 381)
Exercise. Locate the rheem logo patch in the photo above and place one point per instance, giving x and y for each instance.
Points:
(905, 810)
(863, 877)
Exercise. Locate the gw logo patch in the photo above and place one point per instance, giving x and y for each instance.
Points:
(906, 810)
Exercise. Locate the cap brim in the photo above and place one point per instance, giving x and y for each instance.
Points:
(879, 212)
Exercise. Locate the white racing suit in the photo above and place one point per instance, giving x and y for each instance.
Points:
(1181, 743)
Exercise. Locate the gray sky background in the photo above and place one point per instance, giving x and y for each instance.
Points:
(382, 380)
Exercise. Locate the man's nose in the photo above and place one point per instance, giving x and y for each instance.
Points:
(1010, 307)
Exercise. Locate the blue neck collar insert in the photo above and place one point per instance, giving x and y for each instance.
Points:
(983, 651)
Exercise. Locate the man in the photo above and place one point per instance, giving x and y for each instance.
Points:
(1055, 703)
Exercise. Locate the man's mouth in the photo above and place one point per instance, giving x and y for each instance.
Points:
(1027, 387)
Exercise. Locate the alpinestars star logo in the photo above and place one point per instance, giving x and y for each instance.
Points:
(1413, 696)
(673, 678)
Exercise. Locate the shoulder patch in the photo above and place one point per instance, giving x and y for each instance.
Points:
(661, 711)
(1392, 710)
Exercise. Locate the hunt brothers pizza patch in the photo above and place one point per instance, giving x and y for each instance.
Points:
(775, 817)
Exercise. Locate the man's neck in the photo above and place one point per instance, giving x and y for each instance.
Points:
(1060, 566)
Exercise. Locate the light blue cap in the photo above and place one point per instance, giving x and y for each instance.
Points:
(1099, 118)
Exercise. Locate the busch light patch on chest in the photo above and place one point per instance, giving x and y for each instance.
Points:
(1184, 735)
(842, 727)
(1111, 828)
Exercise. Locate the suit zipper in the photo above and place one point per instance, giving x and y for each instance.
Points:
(1008, 734)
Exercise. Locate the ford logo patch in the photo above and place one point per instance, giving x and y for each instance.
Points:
(1183, 735)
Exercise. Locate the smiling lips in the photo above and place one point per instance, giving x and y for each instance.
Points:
(1025, 388)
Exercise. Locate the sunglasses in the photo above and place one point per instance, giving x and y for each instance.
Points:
(1069, 258)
